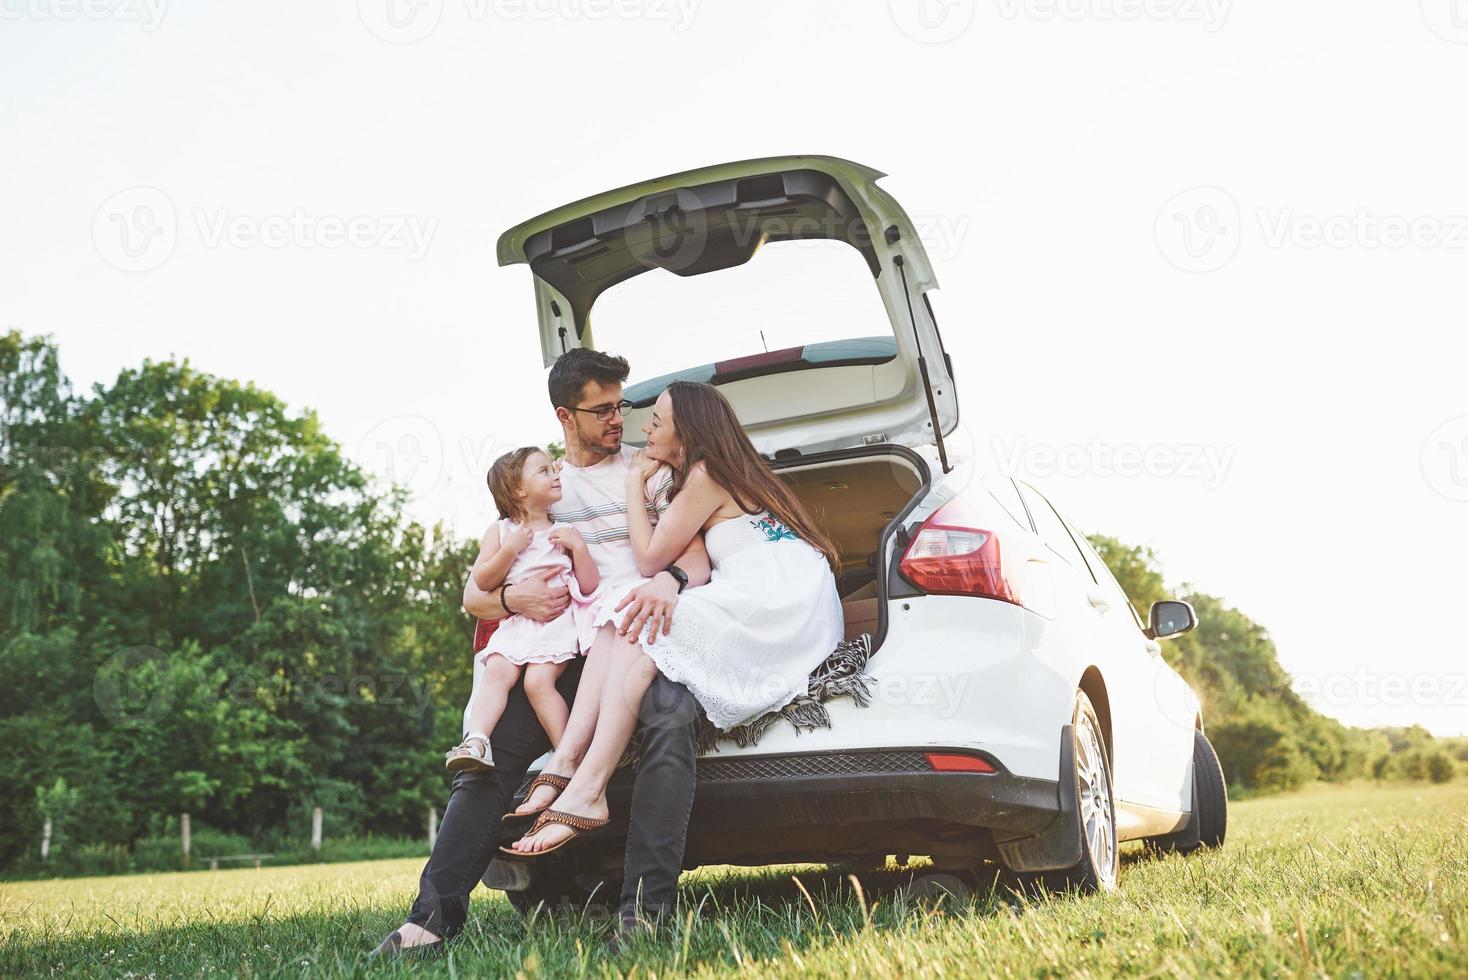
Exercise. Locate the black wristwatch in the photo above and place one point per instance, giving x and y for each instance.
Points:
(680, 575)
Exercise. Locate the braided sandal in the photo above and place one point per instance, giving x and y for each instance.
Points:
(580, 827)
(517, 819)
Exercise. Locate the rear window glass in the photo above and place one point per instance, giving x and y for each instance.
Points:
(789, 295)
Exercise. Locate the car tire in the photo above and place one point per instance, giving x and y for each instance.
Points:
(1210, 805)
(555, 889)
(1095, 808)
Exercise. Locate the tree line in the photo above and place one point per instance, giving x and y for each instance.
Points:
(208, 608)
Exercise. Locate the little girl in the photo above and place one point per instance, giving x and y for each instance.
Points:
(525, 484)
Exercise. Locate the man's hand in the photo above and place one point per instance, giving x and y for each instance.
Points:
(568, 538)
(649, 606)
(539, 598)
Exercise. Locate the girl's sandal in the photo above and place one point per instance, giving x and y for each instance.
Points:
(464, 757)
(580, 827)
(516, 819)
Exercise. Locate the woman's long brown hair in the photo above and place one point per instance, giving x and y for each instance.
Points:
(705, 422)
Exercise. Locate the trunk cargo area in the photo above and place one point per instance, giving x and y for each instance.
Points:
(855, 496)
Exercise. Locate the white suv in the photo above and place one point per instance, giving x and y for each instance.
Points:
(1021, 710)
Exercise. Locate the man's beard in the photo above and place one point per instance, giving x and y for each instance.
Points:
(598, 445)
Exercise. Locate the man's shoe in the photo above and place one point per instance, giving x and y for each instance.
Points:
(392, 948)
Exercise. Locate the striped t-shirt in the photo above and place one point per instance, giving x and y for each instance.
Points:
(594, 501)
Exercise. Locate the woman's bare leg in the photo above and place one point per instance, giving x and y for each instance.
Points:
(630, 674)
(581, 724)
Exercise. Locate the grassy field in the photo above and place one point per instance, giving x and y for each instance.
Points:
(1333, 882)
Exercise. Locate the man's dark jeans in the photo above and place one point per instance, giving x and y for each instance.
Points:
(662, 797)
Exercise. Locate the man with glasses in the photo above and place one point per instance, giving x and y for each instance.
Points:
(586, 390)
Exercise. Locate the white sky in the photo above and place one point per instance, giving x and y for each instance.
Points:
(1041, 144)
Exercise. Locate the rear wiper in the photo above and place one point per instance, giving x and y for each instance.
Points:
(923, 367)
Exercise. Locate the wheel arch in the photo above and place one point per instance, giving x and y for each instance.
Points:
(1093, 686)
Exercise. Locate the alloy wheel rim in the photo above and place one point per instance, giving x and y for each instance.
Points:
(1093, 787)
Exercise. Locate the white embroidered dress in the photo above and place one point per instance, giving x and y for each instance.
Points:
(746, 642)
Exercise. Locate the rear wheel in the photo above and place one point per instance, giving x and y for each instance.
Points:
(1209, 823)
(1095, 806)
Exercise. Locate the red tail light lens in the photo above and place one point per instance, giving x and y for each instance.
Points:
(951, 555)
(954, 762)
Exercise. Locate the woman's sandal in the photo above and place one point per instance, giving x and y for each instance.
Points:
(516, 819)
(463, 756)
(580, 827)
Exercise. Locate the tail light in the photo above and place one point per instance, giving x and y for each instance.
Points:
(952, 555)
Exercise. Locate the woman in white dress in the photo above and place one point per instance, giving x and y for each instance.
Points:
(745, 643)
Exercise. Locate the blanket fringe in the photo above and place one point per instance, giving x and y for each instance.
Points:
(838, 676)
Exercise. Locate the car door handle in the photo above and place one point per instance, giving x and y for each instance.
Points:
(1153, 647)
(1098, 599)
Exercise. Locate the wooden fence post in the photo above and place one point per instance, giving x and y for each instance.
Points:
(46, 839)
(316, 829)
(432, 826)
(184, 828)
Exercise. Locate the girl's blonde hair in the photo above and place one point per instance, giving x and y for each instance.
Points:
(504, 480)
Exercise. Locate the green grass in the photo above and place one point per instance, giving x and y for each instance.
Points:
(1336, 882)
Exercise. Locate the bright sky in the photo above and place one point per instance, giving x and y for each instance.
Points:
(1220, 243)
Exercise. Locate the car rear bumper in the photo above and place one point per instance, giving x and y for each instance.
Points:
(825, 806)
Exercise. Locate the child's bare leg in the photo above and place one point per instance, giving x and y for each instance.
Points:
(550, 707)
(582, 721)
(630, 674)
(494, 690)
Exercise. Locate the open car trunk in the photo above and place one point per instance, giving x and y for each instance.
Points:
(858, 497)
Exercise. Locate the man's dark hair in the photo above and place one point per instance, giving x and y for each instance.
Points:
(579, 365)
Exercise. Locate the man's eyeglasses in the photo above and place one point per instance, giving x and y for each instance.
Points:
(605, 412)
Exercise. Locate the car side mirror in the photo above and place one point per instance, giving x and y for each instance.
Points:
(1170, 617)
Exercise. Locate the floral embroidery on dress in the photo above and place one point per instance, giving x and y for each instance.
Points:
(774, 529)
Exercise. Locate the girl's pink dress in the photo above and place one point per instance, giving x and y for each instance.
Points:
(522, 640)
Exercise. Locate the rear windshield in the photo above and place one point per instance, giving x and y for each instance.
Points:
(790, 295)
